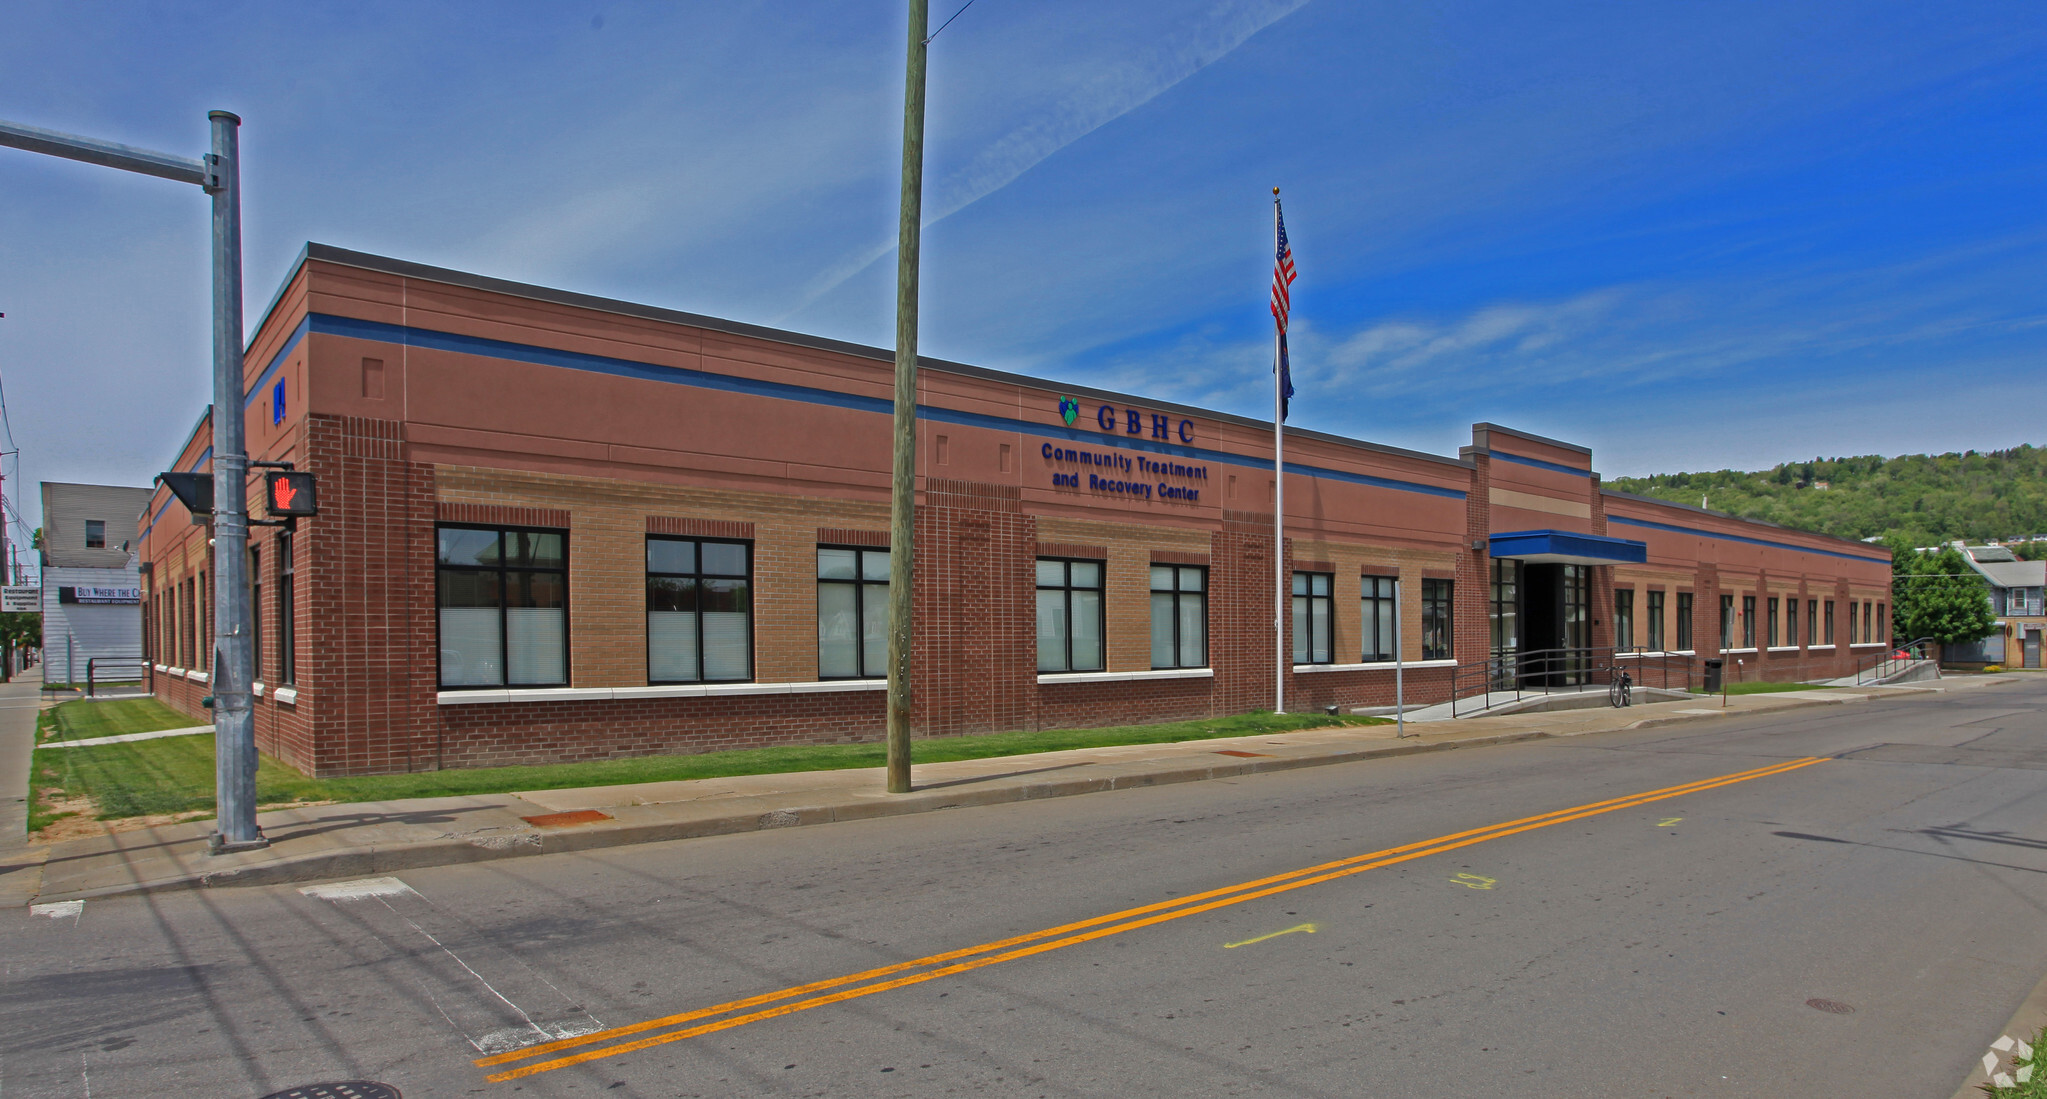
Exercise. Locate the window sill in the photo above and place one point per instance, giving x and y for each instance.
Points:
(256, 688)
(1655, 654)
(288, 696)
(1375, 666)
(1818, 648)
(160, 667)
(1783, 648)
(1869, 645)
(1725, 652)
(1049, 678)
(676, 690)
(197, 677)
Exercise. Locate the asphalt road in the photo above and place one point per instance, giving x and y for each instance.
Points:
(1665, 947)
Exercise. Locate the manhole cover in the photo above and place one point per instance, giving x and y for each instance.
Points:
(345, 1089)
(1835, 1007)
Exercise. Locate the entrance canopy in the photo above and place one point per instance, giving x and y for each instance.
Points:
(1564, 547)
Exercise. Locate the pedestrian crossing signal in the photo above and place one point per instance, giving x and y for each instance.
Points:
(290, 493)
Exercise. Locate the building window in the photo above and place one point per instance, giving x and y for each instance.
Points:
(1812, 623)
(1313, 641)
(1684, 621)
(1380, 623)
(504, 598)
(1773, 622)
(1437, 635)
(205, 618)
(699, 611)
(287, 612)
(1179, 616)
(1867, 633)
(95, 534)
(1831, 637)
(1883, 624)
(1854, 636)
(1655, 623)
(1623, 618)
(1069, 615)
(1791, 622)
(1748, 621)
(1726, 622)
(1506, 623)
(852, 613)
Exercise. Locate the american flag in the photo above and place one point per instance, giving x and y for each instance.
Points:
(1282, 302)
(1282, 271)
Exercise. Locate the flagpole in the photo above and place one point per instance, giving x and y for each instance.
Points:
(1282, 659)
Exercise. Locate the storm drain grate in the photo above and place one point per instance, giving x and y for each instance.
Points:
(1243, 755)
(562, 820)
(1834, 1007)
(344, 1089)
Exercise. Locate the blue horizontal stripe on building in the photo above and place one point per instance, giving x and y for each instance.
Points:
(1675, 529)
(327, 324)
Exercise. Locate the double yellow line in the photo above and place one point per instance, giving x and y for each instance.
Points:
(735, 1013)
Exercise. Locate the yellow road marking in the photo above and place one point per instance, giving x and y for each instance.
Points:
(1667, 822)
(1010, 949)
(1475, 881)
(1307, 927)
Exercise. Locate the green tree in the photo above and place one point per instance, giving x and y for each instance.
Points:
(1937, 595)
(23, 630)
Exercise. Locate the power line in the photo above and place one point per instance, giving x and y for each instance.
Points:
(948, 22)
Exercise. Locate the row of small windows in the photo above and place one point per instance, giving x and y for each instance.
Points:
(179, 618)
(1871, 624)
(1780, 621)
(503, 611)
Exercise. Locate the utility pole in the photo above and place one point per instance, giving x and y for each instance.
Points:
(902, 503)
(219, 175)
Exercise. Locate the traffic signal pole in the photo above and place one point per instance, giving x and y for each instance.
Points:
(234, 655)
(219, 174)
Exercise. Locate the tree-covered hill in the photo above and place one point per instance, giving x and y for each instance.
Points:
(1923, 498)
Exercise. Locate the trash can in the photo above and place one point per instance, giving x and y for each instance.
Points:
(1713, 669)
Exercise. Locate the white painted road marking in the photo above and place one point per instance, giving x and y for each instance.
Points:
(359, 889)
(58, 910)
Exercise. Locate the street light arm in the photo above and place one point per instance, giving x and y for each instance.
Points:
(35, 139)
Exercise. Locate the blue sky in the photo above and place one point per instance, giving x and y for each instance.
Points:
(1688, 235)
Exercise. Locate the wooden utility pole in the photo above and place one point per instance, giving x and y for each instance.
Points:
(902, 504)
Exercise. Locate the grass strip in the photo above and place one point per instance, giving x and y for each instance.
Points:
(175, 774)
(1763, 688)
(84, 719)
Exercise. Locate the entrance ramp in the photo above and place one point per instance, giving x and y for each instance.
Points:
(1586, 697)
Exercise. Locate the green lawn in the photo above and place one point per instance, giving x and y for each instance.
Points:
(85, 719)
(175, 774)
(1762, 688)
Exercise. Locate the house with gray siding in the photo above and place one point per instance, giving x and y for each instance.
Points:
(92, 587)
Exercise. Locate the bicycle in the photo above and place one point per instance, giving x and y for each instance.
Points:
(1621, 691)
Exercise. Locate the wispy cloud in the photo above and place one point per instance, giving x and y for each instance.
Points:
(1112, 92)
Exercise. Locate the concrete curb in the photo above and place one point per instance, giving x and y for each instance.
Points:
(2025, 1025)
(371, 861)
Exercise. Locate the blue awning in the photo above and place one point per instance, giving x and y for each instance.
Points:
(1566, 547)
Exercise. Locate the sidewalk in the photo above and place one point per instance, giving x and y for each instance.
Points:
(369, 838)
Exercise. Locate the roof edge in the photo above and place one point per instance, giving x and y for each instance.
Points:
(327, 253)
(1617, 494)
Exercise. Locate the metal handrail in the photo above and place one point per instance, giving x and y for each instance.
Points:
(92, 663)
(1531, 672)
(1890, 662)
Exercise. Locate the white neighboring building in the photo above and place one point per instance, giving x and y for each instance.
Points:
(92, 590)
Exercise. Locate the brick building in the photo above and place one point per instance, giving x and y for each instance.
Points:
(558, 527)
